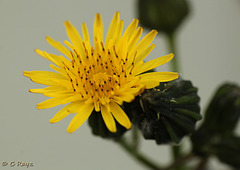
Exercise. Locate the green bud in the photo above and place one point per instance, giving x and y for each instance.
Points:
(223, 112)
(201, 142)
(162, 15)
(99, 128)
(227, 150)
(168, 112)
(221, 118)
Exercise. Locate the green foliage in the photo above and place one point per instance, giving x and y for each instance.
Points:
(162, 15)
(224, 110)
(227, 150)
(216, 134)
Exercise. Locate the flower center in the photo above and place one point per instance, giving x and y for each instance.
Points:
(100, 79)
(101, 73)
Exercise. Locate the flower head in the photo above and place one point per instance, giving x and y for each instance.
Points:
(99, 77)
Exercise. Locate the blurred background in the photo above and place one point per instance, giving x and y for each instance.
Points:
(208, 43)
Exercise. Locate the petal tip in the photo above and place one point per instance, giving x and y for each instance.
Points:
(154, 31)
(67, 23)
(117, 13)
(70, 130)
(26, 73)
(128, 126)
(170, 56)
(39, 107)
(48, 38)
(177, 75)
(37, 51)
(98, 15)
(52, 121)
(113, 130)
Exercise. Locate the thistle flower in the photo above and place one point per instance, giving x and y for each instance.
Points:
(100, 77)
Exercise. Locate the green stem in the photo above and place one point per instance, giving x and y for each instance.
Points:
(137, 155)
(149, 163)
(172, 49)
(179, 161)
(176, 150)
(135, 137)
(202, 164)
(176, 153)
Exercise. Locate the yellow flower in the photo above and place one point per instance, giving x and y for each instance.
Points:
(99, 78)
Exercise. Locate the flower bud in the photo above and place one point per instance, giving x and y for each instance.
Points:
(162, 15)
(168, 112)
(227, 150)
(221, 118)
(223, 112)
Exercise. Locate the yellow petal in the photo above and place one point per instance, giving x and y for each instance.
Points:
(42, 74)
(130, 29)
(59, 47)
(120, 115)
(64, 112)
(62, 83)
(97, 106)
(86, 36)
(48, 89)
(52, 91)
(58, 93)
(36, 90)
(60, 99)
(151, 79)
(50, 103)
(159, 76)
(150, 84)
(108, 119)
(146, 41)
(72, 97)
(85, 32)
(125, 96)
(135, 90)
(67, 43)
(118, 100)
(144, 54)
(60, 70)
(152, 64)
(51, 57)
(43, 77)
(118, 32)
(84, 112)
(112, 27)
(75, 38)
(98, 28)
(135, 38)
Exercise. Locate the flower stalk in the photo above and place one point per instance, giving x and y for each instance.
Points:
(150, 163)
(135, 137)
(137, 155)
(171, 38)
(176, 150)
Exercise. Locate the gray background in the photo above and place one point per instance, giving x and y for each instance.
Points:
(208, 45)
